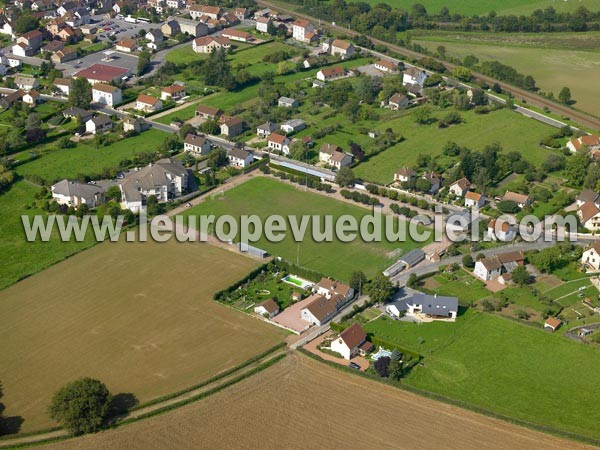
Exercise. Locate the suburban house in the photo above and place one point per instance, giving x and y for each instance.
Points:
(386, 66)
(240, 158)
(266, 129)
(474, 200)
(32, 39)
(552, 323)
(330, 288)
(521, 200)
(101, 73)
(231, 126)
(78, 113)
(412, 75)
(341, 48)
(397, 101)
(279, 142)
(241, 13)
(331, 73)
(268, 308)
(404, 175)
(589, 141)
(191, 27)
(293, 125)
(64, 55)
(198, 145)
(22, 49)
(460, 187)
(147, 103)
(287, 102)
(588, 196)
(435, 180)
(262, 24)
(207, 44)
(170, 28)
(319, 310)
(106, 94)
(591, 256)
(208, 112)
(237, 35)
(351, 341)
(26, 83)
(493, 266)
(32, 97)
(589, 216)
(333, 156)
(126, 45)
(303, 30)
(98, 124)
(165, 179)
(500, 230)
(72, 193)
(213, 12)
(155, 39)
(173, 92)
(435, 307)
(134, 124)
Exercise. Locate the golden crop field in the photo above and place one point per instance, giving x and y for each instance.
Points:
(137, 316)
(303, 404)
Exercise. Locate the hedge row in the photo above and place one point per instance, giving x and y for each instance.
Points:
(303, 272)
(228, 290)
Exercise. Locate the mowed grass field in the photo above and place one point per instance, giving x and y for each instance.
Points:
(265, 196)
(552, 68)
(512, 131)
(137, 316)
(505, 367)
(303, 404)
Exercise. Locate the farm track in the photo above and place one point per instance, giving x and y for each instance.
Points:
(529, 97)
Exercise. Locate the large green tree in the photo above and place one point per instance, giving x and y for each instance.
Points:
(80, 95)
(345, 177)
(380, 289)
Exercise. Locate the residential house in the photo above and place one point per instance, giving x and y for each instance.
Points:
(52, 47)
(341, 48)
(287, 102)
(63, 85)
(69, 35)
(6, 26)
(386, 66)
(293, 126)
(460, 187)
(237, 35)
(333, 156)
(279, 142)
(521, 200)
(126, 45)
(319, 310)
(133, 124)
(500, 230)
(170, 28)
(241, 13)
(64, 55)
(231, 126)
(207, 44)
(266, 129)
(589, 216)
(435, 180)
(397, 101)
(99, 124)
(32, 97)
(589, 141)
(405, 175)
(435, 307)
(155, 38)
(106, 94)
(492, 267)
(331, 73)
(197, 11)
(102, 73)
(26, 83)
(240, 158)
(591, 256)
(552, 323)
(192, 27)
(474, 200)
(78, 114)
(330, 288)
(22, 49)
(303, 30)
(588, 196)
(72, 193)
(175, 4)
(268, 308)
(208, 112)
(147, 103)
(350, 341)
(262, 24)
(173, 92)
(412, 75)
(31, 39)
(198, 145)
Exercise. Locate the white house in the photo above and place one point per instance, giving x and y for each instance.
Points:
(404, 175)
(262, 24)
(147, 103)
(333, 156)
(341, 48)
(500, 230)
(331, 73)
(266, 129)
(26, 83)
(413, 75)
(198, 145)
(63, 85)
(268, 308)
(74, 194)
(279, 142)
(589, 216)
(590, 141)
(126, 45)
(32, 97)
(240, 158)
(460, 187)
(287, 102)
(386, 66)
(330, 288)
(106, 94)
(293, 125)
(349, 341)
(318, 310)
(493, 266)
(303, 30)
(173, 92)
(587, 195)
(474, 200)
(591, 256)
(521, 200)
(98, 124)
(436, 307)
(155, 39)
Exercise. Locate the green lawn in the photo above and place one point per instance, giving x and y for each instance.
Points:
(265, 196)
(513, 131)
(505, 367)
(85, 158)
(185, 55)
(461, 285)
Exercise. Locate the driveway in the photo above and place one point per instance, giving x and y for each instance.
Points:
(312, 347)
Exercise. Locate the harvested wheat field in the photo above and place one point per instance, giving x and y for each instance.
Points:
(302, 404)
(137, 316)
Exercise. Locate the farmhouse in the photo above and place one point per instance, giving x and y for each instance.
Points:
(350, 341)
(341, 48)
(589, 141)
(268, 308)
(287, 102)
(231, 126)
(106, 94)
(589, 216)
(521, 200)
(98, 124)
(413, 75)
(101, 73)
(293, 125)
(386, 66)
(266, 129)
(240, 158)
(493, 266)
(331, 73)
(147, 103)
(198, 145)
(397, 101)
(207, 44)
(279, 142)
(72, 193)
(591, 256)
(173, 92)
(404, 175)
(333, 156)
(474, 200)
(303, 31)
(500, 230)
(237, 35)
(208, 112)
(460, 187)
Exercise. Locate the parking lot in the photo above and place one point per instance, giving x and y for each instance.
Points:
(120, 28)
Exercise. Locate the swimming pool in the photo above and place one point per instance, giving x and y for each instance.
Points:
(297, 281)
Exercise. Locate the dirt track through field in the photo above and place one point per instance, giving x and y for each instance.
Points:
(302, 404)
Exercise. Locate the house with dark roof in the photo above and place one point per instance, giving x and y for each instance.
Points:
(589, 216)
(492, 267)
(231, 126)
(208, 112)
(350, 341)
(266, 129)
(460, 187)
(78, 113)
(434, 307)
(588, 196)
(397, 101)
(239, 157)
(99, 124)
(72, 193)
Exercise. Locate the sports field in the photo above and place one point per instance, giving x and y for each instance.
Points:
(511, 130)
(139, 317)
(505, 367)
(265, 196)
(303, 404)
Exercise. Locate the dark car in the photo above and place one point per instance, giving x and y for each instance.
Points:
(353, 365)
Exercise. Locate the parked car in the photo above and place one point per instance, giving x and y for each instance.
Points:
(353, 365)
